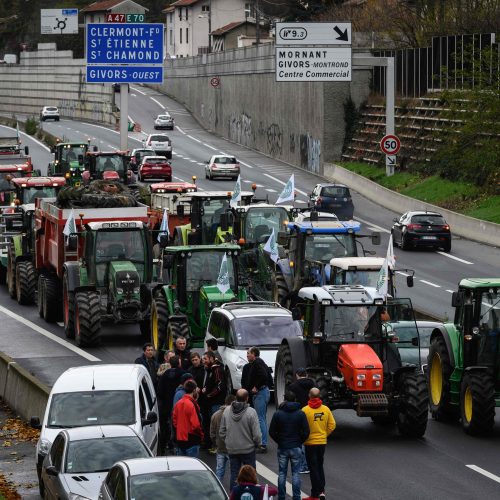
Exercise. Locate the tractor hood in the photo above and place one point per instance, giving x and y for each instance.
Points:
(123, 274)
(214, 296)
(361, 367)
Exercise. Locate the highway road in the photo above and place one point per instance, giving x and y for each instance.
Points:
(363, 460)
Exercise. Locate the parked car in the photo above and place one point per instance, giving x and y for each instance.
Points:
(222, 166)
(421, 229)
(137, 155)
(334, 198)
(162, 478)
(164, 121)
(99, 395)
(155, 167)
(160, 144)
(79, 459)
(49, 113)
(240, 325)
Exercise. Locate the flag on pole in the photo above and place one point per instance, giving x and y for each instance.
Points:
(271, 247)
(223, 279)
(391, 260)
(17, 129)
(236, 197)
(383, 278)
(288, 193)
(164, 225)
(265, 495)
(70, 226)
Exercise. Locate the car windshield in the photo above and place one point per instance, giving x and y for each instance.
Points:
(362, 277)
(176, 484)
(51, 109)
(407, 333)
(99, 455)
(225, 160)
(324, 247)
(164, 117)
(334, 192)
(261, 221)
(428, 219)
(202, 268)
(83, 408)
(31, 194)
(159, 138)
(352, 322)
(267, 330)
(156, 160)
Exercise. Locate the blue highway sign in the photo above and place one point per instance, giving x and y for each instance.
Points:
(124, 74)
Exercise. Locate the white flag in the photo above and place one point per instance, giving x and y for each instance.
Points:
(17, 129)
(70, 226)
(271, 247)
(236, 197)
(265, 495)
(223, 279)
(391, 260)
(288, 193)
(383, 277)
(164, 225)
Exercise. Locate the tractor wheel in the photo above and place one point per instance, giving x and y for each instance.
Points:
(412, 413)
(87, 319)
(176, 329)
(439, 372)
(68, 310)
(324, 386)
(159, 320)
(11, 275)
(51, 300)
(280, 288)
(145, 327)
(477, 403)
(284, 375)
(384, 420)
(40, 294)
(25, 283)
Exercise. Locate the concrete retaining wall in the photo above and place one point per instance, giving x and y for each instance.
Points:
(461, 225)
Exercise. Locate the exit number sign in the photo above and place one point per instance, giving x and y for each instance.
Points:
(125, 18)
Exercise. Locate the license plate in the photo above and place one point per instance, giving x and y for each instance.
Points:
(335, 205)
(157, 168)
(429, 237)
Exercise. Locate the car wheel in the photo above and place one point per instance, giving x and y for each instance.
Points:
(447, 247)
(405, 244)
(42, 118)
(57, 119)
(394, 242)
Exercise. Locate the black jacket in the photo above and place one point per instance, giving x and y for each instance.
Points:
(215, 385)
(167, 384)
(255, 374)
(289, 426)
(198, 373)
(151, 366)
(301, 388)
(185, 358)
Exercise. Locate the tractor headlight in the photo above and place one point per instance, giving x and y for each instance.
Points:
(119, 290)
(376, 376)
(361, 376)
(137, 289)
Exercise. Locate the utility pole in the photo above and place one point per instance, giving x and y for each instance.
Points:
(257, 23)
(209, 26)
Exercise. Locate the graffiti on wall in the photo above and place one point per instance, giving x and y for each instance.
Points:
(274, 140)
(241, 129)
(310, 153)
(292, 143)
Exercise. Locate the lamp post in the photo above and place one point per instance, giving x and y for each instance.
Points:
(209, 26)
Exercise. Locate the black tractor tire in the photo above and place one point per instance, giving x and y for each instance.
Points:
(25, 283)
(413, 407)
(87, 319)
(176, 329)
(52, 310)
(439, 371)
(325, 387)
(145, 327)
(477, 403)
(40, 294)
(283, 373)
(68, 310)
(3, 275)
(159, 320)
(11, 274)
(280, 288)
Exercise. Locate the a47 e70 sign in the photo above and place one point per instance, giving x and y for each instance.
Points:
(390, 144)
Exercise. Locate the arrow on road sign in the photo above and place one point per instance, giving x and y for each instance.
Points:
(390, 160)
(342, 34)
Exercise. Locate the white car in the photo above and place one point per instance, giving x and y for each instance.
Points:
(222, 166)
(49, 113)
(240, 325)
(164, 121)
(160, 144)
(318, 216)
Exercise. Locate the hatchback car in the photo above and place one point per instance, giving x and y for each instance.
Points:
(162, 478)
(421, 229)
(160, 144)
(155, 167)
(222, 166)
(334, 198)
(137, 156)
(164, 121)
(79, 459)
(49, 113)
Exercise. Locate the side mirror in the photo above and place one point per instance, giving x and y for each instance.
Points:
(221, 341)
(164, 241)
(409, 281)
(457, 299)
(168, 261)
(51, 471)
(375, 238)
(180, 210)
(224, 222)
(52, 149)
(296, 313)
(35, 422)
(151, 418)
(414, 341)
(395, 220)
(72, 242)
(80, 159)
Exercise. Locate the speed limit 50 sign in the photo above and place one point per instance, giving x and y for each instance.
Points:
(390, 144)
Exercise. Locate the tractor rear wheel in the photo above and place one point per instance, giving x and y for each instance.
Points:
(11, 274)
(384, 419)
(159, 320)
(176, 329)
(283, 375)
(412, 413)
(280, 288)
(477, 403)
(87, 319)
(40, 295)
(68, 310)
(25, 283)
(51, 299)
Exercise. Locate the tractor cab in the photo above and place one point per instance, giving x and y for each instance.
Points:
(28, 189)
(9, 172)
(110, 166)
(69, 161)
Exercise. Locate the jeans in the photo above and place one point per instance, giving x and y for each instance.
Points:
(220, 469)
(315, 454)
(192, 451)
(294, 455)
(235, 463)
(260, 402)
(303, 461)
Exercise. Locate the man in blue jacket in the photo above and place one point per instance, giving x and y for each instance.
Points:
(289, 428)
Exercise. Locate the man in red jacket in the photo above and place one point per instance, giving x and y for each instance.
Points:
(186, 420)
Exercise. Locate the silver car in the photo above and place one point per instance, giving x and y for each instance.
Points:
(222, 166)
(164, 121)
(79, 459)
(161, 478)
(49, 113)
(160, 144)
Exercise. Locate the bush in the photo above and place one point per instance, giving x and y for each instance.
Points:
(31, 126)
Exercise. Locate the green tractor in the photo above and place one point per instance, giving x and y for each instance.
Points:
(183, 306)
(111, 282)
(464, 358)
(69, 158)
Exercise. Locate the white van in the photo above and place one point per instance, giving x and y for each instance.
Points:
(99, 395)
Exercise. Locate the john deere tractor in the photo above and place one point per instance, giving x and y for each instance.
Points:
(69, 158)
(464, 358)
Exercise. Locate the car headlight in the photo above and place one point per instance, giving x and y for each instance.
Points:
(43, 446)
(240, 364)
(74, 496)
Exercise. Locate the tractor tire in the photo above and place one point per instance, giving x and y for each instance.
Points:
(40, 294)
(439, 371)
(3, 274)
(11, 275)
(25, 283)
(324, 386)
(175, 330)
(159, 320)
(280, 288)
(68, 310)
(384, 420)
(51, 300)
(145, 327)
(284, 374)
(87, 319)
(412, 413)
(477, 403)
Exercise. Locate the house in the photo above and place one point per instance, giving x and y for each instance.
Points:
(236, 35)
(96, 12)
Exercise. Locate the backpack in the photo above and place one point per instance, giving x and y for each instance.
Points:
(247, 492)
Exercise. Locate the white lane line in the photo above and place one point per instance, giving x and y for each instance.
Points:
(193, 161)
(383, 229)
(455, 258)
(49, 335)
(430, 284)
(180, 130)
(268, 474)
(284, 184)
(450, 291)
(485, 473)
(194, 138)
(372, 228)
(68, 128)
(111, 146)
(137, 90)
(208, 146)
(158, 102)
(201, 164)
(246, 164)
(30, 137)
(402, 273)
(271, 190)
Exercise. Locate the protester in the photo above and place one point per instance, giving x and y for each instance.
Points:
(321, 425)
(186, 420)
(166, 362)
(197, 369)
(183, 352)
(147, 360)
(180, 391)
(247, 487)
(213, 346)
(289, 428)
(240, 431)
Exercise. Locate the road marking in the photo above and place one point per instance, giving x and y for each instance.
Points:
(484, 473)
(455, 258)
(30, 137)
(271, 190)
(157, 102)
(268, 474)
(193, 161)
(49, 335)
(402, 273)
(383, 229)
(450, 291)
(137, 90)
(246, 164)
(111, 146)
(194, 138)
(430, 284)
(208, 146)
(201, 164)
(284, 184)
(181, 131)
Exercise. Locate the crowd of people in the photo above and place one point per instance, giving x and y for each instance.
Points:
(195, 412)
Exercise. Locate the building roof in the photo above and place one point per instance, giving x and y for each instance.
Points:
(104, 6)
(227, 28)
(183, 3)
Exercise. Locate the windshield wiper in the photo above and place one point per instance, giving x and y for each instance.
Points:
(60, 426)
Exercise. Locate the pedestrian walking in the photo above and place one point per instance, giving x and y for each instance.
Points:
(240, 431)
(197, 369)
(321, 425)
(186, 420)
(222, 457)
(183, 352)
(148, 361)
(213, 346)
(247, 487)
(255, 379)
(290, 429)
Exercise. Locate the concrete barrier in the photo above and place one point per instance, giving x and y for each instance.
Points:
(461, 225)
